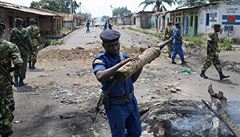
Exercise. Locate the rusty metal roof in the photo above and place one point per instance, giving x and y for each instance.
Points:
(25, 9)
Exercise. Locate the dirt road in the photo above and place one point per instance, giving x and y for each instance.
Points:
(62, 90)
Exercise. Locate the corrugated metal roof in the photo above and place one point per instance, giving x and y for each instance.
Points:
(25, 9)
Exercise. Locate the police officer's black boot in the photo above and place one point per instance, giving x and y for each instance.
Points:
(21, 83)
(173, 62)
(16, 81)
(202, 74)
(222, 76)
(183, 61)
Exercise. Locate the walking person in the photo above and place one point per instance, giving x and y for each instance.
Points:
(167, 35)
(212, 53)
(121, 107)
(177, 44)
(35, 36)
(20, 36)
(88, 26)
(9, 54)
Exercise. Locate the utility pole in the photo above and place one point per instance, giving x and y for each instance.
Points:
(71, 13)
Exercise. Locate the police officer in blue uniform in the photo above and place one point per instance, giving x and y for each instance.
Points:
(122, 110)
(177, 44)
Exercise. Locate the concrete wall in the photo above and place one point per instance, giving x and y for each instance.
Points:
(126, 20)
(227, 14)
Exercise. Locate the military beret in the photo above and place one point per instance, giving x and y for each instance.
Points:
(2, 24)
(109, 35)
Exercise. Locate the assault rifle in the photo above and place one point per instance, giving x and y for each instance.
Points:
(23, 43)
(4, 72)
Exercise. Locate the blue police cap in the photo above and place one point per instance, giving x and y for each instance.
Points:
(177, 23)
(109, 35)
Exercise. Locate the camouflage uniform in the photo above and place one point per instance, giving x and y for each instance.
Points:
(9, 53)
(22, 39)
(35, 35)
(212, 55)
(168, 35)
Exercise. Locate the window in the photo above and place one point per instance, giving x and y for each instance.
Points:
(191, 21)
(207, 19)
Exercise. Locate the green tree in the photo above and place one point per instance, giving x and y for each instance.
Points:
(191, 2)
(159, 5)
(104, 18)
(120, 11)
(56, 5)
(86, 16)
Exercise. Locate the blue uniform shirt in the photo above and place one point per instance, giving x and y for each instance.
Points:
(176, 33)
(104, 61)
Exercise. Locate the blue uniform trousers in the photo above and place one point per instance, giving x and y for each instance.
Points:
(124, 119)
(177, 49)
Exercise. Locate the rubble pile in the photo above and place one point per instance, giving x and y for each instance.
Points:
(233, 66)
(180, 118)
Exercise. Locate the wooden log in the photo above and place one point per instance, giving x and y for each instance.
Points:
(221, 113)
(147, 56)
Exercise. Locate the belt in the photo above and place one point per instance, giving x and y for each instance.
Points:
(121, 99)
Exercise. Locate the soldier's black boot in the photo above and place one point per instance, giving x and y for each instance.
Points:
(21, 83)
(222, 76)
(16, 81)
(30, 65)
(202, 74)
(33, 66)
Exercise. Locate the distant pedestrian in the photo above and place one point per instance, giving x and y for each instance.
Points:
(9, 54)
(167, 35)
(177, 44)
(35, 36)
(212, 56)
(88, 27)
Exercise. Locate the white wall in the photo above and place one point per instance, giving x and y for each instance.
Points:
(221, 13)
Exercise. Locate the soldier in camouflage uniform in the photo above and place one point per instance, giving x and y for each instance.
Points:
(167, 36)
(212, 56)
(35, 35)
(20, 37)
(9, 54)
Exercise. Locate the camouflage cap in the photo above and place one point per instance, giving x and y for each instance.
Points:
(18, 21)
(109, 35)
(2, 24)
(217, 25)
(32, 21)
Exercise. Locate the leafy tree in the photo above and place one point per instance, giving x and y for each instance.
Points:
(56, 5)
(159, 5)
(191, 2)
(104, 18)
(120, 11)
(86, 16)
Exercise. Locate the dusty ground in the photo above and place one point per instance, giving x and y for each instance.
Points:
(62, 91)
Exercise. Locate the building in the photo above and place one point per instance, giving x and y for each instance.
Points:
(71, 21)
(143, 19)
(199, 20)
(49, 23)
(225, 13)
